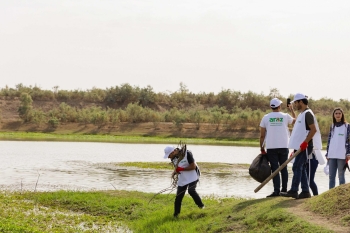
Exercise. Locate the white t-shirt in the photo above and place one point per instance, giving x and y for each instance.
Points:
(277, 132)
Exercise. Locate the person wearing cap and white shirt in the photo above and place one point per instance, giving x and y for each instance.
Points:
(274, 132)
(306, 137)
(188, 178)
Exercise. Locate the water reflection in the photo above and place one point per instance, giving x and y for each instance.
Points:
(47, 166)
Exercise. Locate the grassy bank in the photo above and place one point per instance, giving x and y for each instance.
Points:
(74, 137)
(206, 167)
(120, 211)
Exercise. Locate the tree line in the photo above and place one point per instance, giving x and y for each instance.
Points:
(231, 110)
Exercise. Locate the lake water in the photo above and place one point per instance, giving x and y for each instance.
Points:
(83, 166)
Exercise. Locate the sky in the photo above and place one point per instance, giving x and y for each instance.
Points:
(209, 46)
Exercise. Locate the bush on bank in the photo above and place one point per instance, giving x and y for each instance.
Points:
(231, 110)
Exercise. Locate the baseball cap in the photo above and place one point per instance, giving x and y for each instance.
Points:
(275, 102)
(168, 150)
(299, 96)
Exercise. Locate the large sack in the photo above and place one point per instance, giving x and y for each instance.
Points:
(260, 168)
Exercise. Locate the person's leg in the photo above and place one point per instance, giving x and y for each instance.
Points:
(282, 157)
(192, 191)
(304, 183)
(272, 156)
(341, 171)
(332, 163)
(311, 169)
(181, 190)
(298, 171)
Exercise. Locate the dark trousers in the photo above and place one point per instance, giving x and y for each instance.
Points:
(181, 190)
(276, 158)
(299, 171)
(311, 170)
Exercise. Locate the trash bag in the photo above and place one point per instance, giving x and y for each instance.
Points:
(260, 168)
(326, 169)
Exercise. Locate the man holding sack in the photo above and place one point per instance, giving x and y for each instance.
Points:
(275, 133)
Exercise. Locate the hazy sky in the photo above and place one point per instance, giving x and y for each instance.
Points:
(251, 45)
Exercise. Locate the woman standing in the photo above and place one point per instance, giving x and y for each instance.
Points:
(338, 148)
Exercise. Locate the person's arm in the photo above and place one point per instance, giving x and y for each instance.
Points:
(262, 138)
(328, 141)
(190, 160)
(347, 141)
(310, 121)
(191, 167)
(311, 134)
(292, 112)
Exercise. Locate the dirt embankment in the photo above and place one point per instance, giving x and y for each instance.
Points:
(10, 121)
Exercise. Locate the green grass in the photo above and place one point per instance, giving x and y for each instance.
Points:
(207, 167)
(106, 211)
(74, 137)
(333, 203)
(30, 136)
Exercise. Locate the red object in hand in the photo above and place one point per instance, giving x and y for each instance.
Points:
(263, 152)
(303, 146)
(179, 169)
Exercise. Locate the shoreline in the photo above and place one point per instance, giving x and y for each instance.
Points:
(38, 136)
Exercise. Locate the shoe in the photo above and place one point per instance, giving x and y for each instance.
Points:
(203, 207)
(273, 195)
(176, 215)
(284, 190)
(304, 195)
(290, 193)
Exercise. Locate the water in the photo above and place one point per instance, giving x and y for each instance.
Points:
(83, 166)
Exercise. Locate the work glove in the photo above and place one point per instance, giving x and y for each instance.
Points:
(179, 169)
(263, 152)
(303, 146)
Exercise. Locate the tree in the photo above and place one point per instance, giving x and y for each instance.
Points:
(274, 93)
(25, 108)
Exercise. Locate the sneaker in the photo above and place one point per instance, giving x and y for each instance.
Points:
(290, 193)
(273, 195)
(304, 195)
(284, 190)
(203, 207)
(176, 215)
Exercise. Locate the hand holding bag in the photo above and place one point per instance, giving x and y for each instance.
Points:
(260, 168)
(326, 169)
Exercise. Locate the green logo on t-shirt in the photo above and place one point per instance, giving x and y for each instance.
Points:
(276, 119)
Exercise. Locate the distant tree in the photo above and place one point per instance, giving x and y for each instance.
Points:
(146, 96)
(135, 113)
(274, 93)
(38, 117)
(25, 107)
(113, 116)
(53, 122)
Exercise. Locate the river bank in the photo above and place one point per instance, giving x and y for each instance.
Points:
(162, 133)
(134, 135)
(123, 211)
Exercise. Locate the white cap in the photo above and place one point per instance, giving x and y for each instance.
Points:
(167, 151)
(275, 102)
(299, 96)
